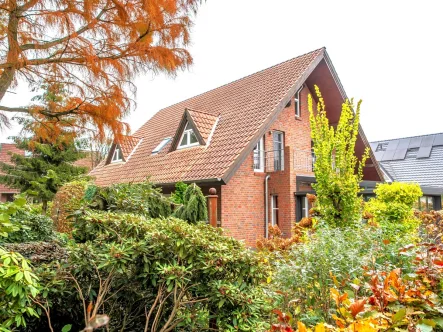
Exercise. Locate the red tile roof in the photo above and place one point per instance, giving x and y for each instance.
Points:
(244, 107)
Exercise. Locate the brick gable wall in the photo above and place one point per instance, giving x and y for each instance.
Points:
(243, 198)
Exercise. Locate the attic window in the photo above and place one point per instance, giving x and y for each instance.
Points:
(188, 138)
(381, 147)
(161, 145)
(117, 156)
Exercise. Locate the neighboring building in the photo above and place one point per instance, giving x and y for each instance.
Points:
(414, 159)
(8, 149)
(249, 139)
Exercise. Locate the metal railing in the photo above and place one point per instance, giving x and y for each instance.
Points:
(269, 161)
(303, 160)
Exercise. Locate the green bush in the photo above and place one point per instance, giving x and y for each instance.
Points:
(198, 276)
(331, 258)
(392, 208)
(33, 226)
(220, 277)
(18, 289)
(142, 198)
(178, 194)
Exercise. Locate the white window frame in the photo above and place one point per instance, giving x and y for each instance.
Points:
(260, 149)
(281, 152)
(117, 155)
(305, 209)
(297, 103)
(188, 144)
(274, 210)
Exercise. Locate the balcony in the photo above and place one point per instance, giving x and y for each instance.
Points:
(269, 161)
(303, 161)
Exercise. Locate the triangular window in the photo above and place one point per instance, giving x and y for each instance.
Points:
(188, 138)
(117, 156)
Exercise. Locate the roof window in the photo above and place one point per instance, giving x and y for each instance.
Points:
(161, 145)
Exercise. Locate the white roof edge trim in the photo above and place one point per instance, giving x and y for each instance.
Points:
(212, 131)
(133, 150)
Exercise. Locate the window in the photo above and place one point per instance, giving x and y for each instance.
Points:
(161, 145)
(278, 151)
(259, 156)
(425, 203)
(188, 138)
(302, 208)
(117, 156)
(274, 210)
(297, 103)
(381, 147)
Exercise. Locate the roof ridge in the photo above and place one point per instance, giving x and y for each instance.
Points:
(194, 110)
(241, 78)
(394, 139)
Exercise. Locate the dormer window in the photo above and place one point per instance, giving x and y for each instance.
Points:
(117, 156)
(188, 138)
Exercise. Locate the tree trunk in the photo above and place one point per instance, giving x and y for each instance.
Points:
(44, 206)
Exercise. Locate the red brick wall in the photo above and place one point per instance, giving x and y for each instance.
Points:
(243, 211)
(242, 204)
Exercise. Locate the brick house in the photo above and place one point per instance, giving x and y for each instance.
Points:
(249, 139)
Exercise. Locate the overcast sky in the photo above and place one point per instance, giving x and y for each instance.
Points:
(385, 52)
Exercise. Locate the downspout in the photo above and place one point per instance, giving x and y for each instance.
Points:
(266, 204)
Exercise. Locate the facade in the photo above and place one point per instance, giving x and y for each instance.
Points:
(249, 139)
(416, 159)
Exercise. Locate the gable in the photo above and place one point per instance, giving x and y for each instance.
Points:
(126, 145)
(202, 125)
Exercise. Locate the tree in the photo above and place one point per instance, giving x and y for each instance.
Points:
(337, 170)
(194, 207)
(44, 171)
(93, 48)
(178, 194)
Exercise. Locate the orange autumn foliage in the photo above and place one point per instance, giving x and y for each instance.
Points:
(93, 48)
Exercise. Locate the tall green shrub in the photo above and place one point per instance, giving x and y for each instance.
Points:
(142, 198)
(194, 208)
(393, 209)
(337, 170)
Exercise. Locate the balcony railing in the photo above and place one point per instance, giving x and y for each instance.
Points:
(303, 160)
(269, 161)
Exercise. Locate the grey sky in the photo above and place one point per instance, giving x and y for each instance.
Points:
(385, 52)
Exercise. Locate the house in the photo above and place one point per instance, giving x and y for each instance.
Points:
(249, 139)
(414, 159)
(8, 149)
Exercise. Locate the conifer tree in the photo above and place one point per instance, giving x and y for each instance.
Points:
(43, 169)
(194, 206)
